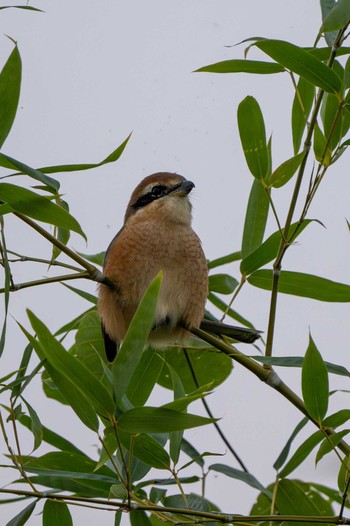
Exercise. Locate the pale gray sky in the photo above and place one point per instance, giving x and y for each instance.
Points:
(93, 72)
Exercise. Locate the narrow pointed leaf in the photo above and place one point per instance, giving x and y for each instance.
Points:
(242, 66)
(240, 475)
(222, 283)
(305, 285)
(253, 137)
(22, 517)
(37, 207)
(338, 17)
(301, 453)
(285, 171)
(255, 219)
(72, 395)
(302, 105)
(114, 156)
(330, 443)
(130, 352)
(159, 420)
(146, 449)
(269, 249)
(337, 419)
(282, 457)
(322, 152)
(302, 63)
(145, 377)
(315, 386)
(72, 369)
(10, 86)
(9, 162)
(56, 513)
(326, 8)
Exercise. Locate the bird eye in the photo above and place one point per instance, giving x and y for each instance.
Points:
(158, 191)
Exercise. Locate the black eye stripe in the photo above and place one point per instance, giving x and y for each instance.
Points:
(157, 191)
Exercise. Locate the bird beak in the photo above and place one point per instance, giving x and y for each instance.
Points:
(184, 188)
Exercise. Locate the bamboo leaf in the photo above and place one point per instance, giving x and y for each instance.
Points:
(301, 453)
(147, 449)
(22, 517)
(302, 63)
(240, 475)
(305, 285)
(297, 498)
(315, 386)
(282, 457)
(159, 420)
(9, 162)
(338, 17)
(56, 513)
(73, 370)
(131, 350)
(10, 87)
(114, 156)
(242, 66)
(269, 249)
(255, 219)
(37, 207)
(285, 171)
(337, 419)
(222, 283)
(330, 443)
(253, 137)
(302, 104)
(145, 377)
(322, 152)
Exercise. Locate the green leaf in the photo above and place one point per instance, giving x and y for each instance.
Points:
(326, 8)
(37, 207)
(56, 513)
(338, 17)
(296, 498)
(97, 259)
(269, 249)
(52, 438)
(146, 449)
(215, 300)
(136, 337)
(21, 518)
(192, 452)
(114, 156)
(63, 234)
(240, 475)
(73, 370)
(302, 63)
(159, 420)
(82, 293)
(322, 152)
(10, 87)
(253, 137)
(297, 361)
(302, 104)
(8, 162)
(305, 285)
(7, 283)
(255, 219)
(208, 367)
(224, 260)
(36, 427)
(315, 386)
(282, 457)
(242, 66)
(337, 419)
(301, 453)
(330, 443)
(222, 283)
(332, 120)
(145, 377)
(285, 171)
(139, 518)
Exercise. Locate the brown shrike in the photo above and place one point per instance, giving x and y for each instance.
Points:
(157, 235)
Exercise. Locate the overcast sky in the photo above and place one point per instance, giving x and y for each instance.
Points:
(95, 71)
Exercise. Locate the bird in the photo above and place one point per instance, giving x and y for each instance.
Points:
(157, 236)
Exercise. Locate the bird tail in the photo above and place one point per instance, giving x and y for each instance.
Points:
(241, 334)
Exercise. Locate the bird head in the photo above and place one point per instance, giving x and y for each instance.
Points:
(162, 195)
